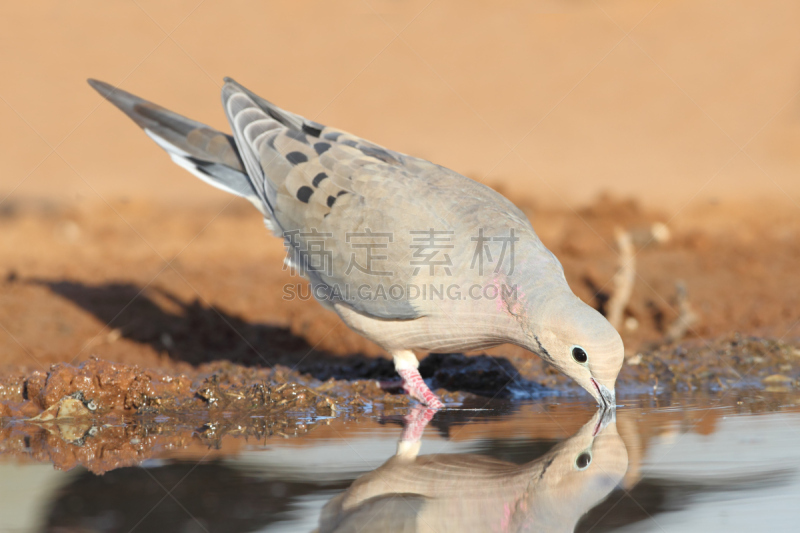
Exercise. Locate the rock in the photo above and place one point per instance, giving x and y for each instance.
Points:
(67, 407)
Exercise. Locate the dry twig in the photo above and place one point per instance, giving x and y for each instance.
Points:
(623, 279)
(686, 314)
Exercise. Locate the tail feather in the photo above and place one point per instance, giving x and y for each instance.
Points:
(207, 153)
(288, 119)
(249, 123)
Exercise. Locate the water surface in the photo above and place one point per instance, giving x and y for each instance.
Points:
(687, 463)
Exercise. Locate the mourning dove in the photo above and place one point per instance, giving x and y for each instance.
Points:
(409, 254)
(469, 492)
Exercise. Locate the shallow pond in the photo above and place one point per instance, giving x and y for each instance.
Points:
(663, 463)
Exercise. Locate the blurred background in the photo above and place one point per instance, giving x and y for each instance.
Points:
(591, 115)
(669, 101)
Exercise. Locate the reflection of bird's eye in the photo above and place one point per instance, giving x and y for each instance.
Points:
(579, 354)
(583, 460)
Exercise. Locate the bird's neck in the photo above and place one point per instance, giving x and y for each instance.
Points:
(535, 290)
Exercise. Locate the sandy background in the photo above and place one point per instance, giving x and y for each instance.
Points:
(685, 112)
(673, 102)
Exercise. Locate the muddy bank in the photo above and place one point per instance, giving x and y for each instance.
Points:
(106, 388)
(105, 415)
(733, 362)
(99, 388)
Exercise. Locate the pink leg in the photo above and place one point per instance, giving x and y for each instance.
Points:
(415, 423)
(417, 389)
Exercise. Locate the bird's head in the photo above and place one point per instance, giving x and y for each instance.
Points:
(580, 342)
(582, 471)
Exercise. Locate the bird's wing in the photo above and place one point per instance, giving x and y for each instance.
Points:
(359, 219)
(338, 198)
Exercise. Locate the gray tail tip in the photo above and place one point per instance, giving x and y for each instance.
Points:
(100, 86)
(230, 81)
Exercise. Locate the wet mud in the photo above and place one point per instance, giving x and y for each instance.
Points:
(103, 415)
(730, 362)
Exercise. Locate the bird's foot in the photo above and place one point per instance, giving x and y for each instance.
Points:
(415, 423)
(417, 389)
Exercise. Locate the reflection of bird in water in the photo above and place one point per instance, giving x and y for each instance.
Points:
(467, 492)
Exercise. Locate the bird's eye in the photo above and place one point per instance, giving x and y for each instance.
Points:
(583, 461)
(579, 354)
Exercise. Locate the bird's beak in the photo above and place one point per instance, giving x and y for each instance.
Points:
(605, 397)
(604, 417)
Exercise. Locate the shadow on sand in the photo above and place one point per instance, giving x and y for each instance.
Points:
(195, 333)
